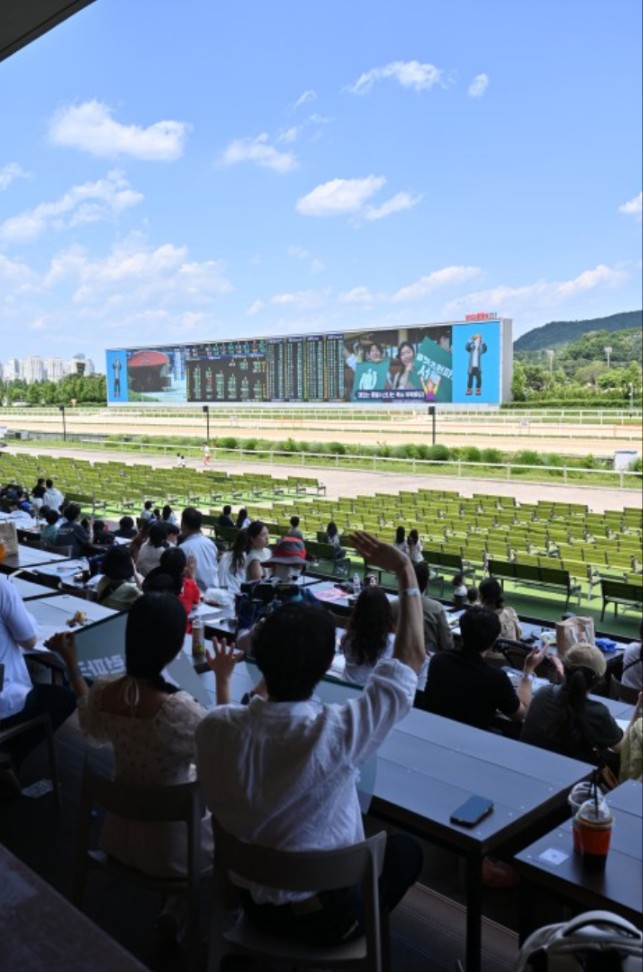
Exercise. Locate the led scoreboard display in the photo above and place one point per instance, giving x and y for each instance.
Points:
(457, 362)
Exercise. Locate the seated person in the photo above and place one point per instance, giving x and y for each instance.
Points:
(293, 530)
(18, 515)
(281, 771)
(151, 551)
(369, 636)
(256, 549)
(119, 587)
(169, 516)
(71, 533)
(287, 561)
(102, 536)
(243, 520)
(563, 719)
(225, 519)
(232, 564)
(492, 598)
(175, 573)
(415, 546)
(147, 513)
(150, 724)
(38, 493)
(196, 544)
(20, 698)
(631, 750)
(461, 685)
(400, 540)
(49, 533)
(126, 528)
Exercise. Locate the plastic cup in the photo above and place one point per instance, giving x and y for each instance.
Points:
(592, 827)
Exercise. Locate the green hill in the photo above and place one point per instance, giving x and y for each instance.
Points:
(562, 332)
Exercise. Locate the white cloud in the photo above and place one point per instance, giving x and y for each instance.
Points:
(91, 128)
(316, 265)
(9, 172)
(255, 308)
(402, 200)
(301, 300)
(410, 74)
(542, 293)
(446, 277)
(289, 135)
(301, 253)
(634, 207)
(260, 151)
(339, 196)
(478, 86)
(305, 98)
(89, 202)
(358, 295)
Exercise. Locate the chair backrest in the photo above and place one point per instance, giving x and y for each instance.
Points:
(52, 548)
(301, 870)
(622, 693)
(146, 803)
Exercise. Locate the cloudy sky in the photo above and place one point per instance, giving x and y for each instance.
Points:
(209, 170)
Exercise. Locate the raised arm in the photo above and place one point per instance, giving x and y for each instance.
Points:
(409, 638)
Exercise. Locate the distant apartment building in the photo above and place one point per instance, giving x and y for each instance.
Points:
(11, 369)
(32, 369)
(54, 369)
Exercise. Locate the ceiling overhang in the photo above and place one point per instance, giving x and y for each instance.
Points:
(23, 21)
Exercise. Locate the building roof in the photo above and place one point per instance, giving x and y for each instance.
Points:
(24, 21)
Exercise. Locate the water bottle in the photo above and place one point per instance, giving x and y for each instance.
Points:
(198, 639)
(357, 584)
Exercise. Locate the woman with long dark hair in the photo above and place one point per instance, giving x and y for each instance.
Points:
(563, 719)
(118, 588)
(232, 565)
(370, 634)
(257, 550)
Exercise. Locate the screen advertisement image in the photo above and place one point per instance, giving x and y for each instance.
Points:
(451, 363)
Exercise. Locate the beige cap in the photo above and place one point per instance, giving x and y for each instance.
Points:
(583, 655)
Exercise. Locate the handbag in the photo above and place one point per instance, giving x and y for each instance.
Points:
(572, 631)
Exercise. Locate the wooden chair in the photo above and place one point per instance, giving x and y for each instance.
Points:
(622, 693)
(298, 871)
(38, 722)
(150, 804)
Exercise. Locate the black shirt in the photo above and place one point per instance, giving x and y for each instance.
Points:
(225, 520)
(468, 689)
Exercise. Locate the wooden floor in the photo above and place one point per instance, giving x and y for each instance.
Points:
(427, 928)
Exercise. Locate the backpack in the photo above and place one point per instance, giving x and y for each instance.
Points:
(596, 941)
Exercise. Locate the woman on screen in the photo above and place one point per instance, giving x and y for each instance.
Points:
(403, 376)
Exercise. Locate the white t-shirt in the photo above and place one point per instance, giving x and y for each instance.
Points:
(53, 498)
(15, 625)
(260, 555)
(633, 666)
(231, 580)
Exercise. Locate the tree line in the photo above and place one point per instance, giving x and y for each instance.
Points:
(82, 389)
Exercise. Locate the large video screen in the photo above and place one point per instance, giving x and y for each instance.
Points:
(442, 363)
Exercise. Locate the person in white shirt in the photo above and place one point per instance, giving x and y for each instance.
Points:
(53, 498)
(232, 565)
(632, 675)
(20, 699)
(195, 544)
(281, 771)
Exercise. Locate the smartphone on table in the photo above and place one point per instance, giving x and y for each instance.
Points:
(475, 809)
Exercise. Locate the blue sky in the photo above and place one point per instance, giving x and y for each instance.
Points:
(209, 170)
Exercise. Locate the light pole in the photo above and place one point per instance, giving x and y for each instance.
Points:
(206, 409)
(62, 412)
(432, 411)
(608, 354)
(550, 354)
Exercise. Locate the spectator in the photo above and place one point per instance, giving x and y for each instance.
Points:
(288, 560)
(126, 528)
(169, 516)
(20, 699)
(632, 675)
(437, 633)
(38, 494)
(18, 515)
(492, 598)
(415, 547)
(225, 520)
(232, 565)
(118, 588)
(281, 772)
(195, 544)
(370, 634)
(53, 498)
(243, 520)
(563, 719)
(473, 596)
(50, 532)
(461, 685)
(150, 553)
(71, 533)
(400, 540)
(631, 750)
(102, 536)
(257, 550)
(175, 573)
(151, 726)
(294, 530)
(459, 592)
(147, 513)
